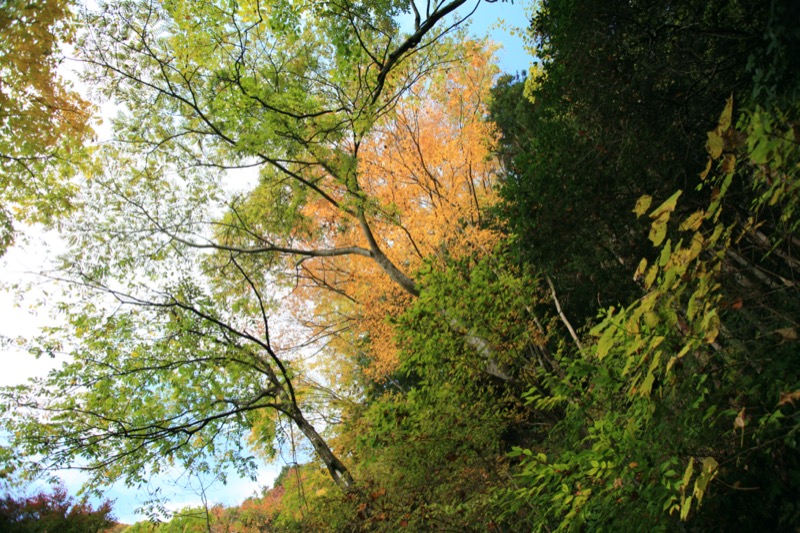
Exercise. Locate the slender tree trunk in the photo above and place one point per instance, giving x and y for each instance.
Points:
(339, 472)
(397, 275)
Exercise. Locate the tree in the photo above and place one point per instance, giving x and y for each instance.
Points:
(56, 511)
(429, 175)
(43, 122)
(619, 106)
(173, 281)
(678, 406)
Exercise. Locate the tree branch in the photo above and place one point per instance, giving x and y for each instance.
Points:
(562, 315)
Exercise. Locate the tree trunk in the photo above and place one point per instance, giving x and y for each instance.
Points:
(336, 468)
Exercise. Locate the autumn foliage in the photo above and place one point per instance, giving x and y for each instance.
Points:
(42, 119)
(562, 301)
(427, 174)
(56, 511)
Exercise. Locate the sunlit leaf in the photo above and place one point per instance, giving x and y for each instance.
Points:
(642, 205)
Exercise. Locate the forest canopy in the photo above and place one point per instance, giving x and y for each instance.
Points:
(561, 301)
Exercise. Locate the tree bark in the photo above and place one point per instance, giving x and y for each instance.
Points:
(339, 473)
(397, 275)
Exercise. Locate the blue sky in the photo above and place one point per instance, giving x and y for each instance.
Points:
(493, 19)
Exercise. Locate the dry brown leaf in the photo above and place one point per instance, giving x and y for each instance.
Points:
(787, 334)
(739, 423)
(789, 398)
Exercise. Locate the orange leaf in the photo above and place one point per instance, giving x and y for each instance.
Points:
(789, 398)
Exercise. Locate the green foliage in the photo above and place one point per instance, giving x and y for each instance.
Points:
(620, 104)
(173, 380)
(681, 405)
(429, 449)
(474, 298)
(659, 404)
(670, 230)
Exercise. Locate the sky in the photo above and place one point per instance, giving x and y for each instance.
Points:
(23, 316)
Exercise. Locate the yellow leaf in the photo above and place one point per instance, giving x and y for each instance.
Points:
(739, 422)
(687, 475)
(686, 506)
(668, 206)
(605, 343)
(670, 363)
(707, 473)
(666, 253)
(714, 144)
(660, 216)
(651, 277)
(658, 229)
(694, 221)
(713, 331)
(651, 319)
(640, 270)
(647, 385)
(642, 205)
(710, 464)
(727, 113)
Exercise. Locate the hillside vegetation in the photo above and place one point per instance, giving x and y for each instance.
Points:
(562, 301)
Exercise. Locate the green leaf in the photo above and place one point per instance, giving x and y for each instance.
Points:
(647, 385)
(651, 276)
(686, 506)
(605, 343)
